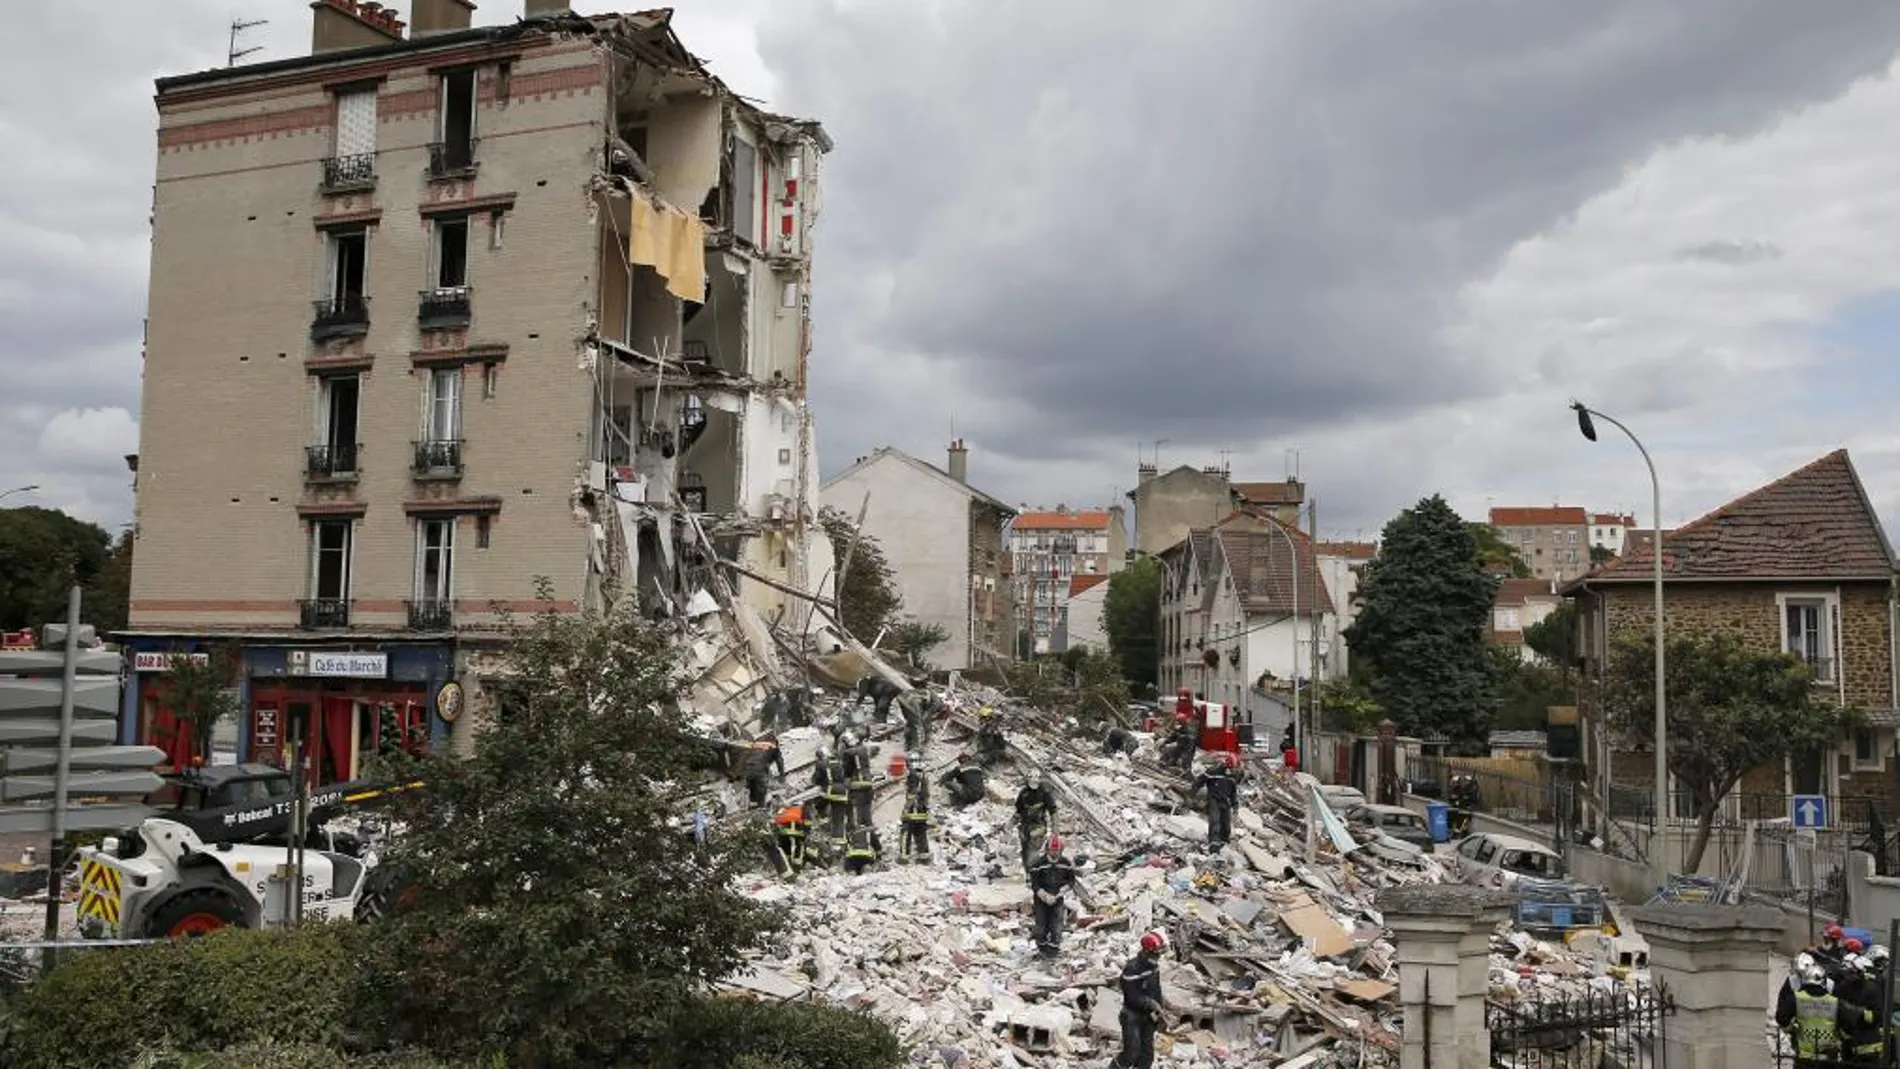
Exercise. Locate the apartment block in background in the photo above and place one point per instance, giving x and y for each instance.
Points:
(437, 315)
(1048, 548)
(1554, 541)
(1610, 530)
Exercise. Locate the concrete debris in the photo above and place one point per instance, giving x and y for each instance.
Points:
(1276, 956)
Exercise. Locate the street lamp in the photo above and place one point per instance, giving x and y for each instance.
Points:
(18, 490)
(1589, 430)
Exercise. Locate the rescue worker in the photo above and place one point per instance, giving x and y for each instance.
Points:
(914, 844)
(1465, 799)
(860, 781)
(775, 856)
(1878, 975)
(1141, 1004)
(916, 707)
(760, 760)
(828, 777)
(1178, 751)
(1833, 947)
(1119, 741)
(1286, 740)
(1289, 754)
(1050, 879)
(967, 782)
(1035, 815)
(1810, 1017)
(1223, 794)
(991, 747)
(881, 691)
(790, 830)
(1862, 1041)
(863, 851)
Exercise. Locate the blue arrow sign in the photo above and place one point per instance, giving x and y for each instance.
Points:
(1808, 812)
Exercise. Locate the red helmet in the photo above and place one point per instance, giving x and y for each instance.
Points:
(1853, 945)
(1055, 844)
(1832, 931)
(1152, 941)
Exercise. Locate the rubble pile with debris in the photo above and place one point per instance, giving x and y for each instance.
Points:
(1276, 955)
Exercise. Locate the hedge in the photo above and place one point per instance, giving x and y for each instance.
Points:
(725, 1033)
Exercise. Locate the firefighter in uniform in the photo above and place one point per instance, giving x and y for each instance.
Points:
(1141, 1004)
(914, 846)
(1862, 1042)
(1035, 815)
(991, 747)
(863, 851)
(858, 774)
(1050, 878)
(1812, 1019)
(789, 830)
(836, 804)
(917, 707)
(966, 783)
(1222, 795)
(761, 759)
(775, 856)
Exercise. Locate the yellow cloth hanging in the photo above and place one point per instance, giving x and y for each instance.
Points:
(671, 242)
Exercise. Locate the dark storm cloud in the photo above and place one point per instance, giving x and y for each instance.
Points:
(1209, 218)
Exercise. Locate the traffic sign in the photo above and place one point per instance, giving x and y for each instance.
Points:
(39, 819)
(95, 695)
(53, 663)
(1808, 811)
(80, 784)
(82, 758)
(44, 730)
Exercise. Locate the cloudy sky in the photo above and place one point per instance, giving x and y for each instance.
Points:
(1390, 238)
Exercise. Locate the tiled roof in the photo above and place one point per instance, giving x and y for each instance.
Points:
(1286, 492)
(1611, 519)
(1555, 516)
(1079, 583)
(1077, 520)
(1518, 591)
(1349, 550)
(1263, 571)
(1814, 523)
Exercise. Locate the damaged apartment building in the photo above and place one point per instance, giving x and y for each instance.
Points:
(440, 311)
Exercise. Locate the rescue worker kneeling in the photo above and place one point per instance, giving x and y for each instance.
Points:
(866, 846)
(966, 783)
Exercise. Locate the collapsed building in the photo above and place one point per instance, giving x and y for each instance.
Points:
(440, 312)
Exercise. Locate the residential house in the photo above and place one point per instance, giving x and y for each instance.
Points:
(1082, 624)
(1168, 506)
(1340, 565)
(1280, 500)
(1800, 565)
(1519, 605)
(1049, 547)
(1250, 591)
(436, 313)
(1553, 541)
(943, 539)
(1608, 531)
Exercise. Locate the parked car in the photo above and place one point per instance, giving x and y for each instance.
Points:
(1396, 821)
(1508, 863)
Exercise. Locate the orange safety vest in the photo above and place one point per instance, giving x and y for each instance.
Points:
(792, 814)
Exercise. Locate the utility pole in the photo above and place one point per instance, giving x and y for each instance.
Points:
(234, 53)
(1319, 610)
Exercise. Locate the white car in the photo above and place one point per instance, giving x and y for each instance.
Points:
(1507, 862)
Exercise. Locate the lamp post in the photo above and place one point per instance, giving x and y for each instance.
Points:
(1656, 847)
(17, 490)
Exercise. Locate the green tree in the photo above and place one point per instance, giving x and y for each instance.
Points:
(868, 600)
(913, 639)
(1131, 614)
(1425, 613)
(560, 907)
(1599, 554)
(107, 599)
(1554, 638)
(1731, 708)
(200, 693)
(1345, 705)
(1526, 690)
(42, 553)
(1498, 555)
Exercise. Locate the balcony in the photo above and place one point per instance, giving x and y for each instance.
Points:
(346, 174)
(431, 614)
(439, 458)
(319, 613)
(443, 309)
(452, 159)
(346, 316)
(329, 463)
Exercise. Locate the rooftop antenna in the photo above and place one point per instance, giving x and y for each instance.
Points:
(1225, 457)
(1293, 464)
(1159, 442)
(234, 53)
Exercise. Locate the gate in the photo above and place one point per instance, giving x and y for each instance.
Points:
(1626, 1029)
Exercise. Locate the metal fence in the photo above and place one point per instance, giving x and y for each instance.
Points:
(1622, 1028)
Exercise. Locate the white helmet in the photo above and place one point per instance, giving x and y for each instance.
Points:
(1812, 976)
(1802, 963)
(1876, 955)
(850, 739)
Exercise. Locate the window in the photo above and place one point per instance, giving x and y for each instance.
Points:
(336, 414)
(348, 266)
(448, 254)
(355, 123)
(435, 558)
(745, 190)
(1507, 620)
(457, 124)
(330, 560)
(1867, 755)
(482, 524)
(1806, 633)
(443, 420)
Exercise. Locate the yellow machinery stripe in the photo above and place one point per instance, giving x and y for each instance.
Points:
(100, 886)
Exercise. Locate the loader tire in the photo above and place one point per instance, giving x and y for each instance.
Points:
(383, 893)
(194, 913)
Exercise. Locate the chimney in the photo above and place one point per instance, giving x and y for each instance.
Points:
(541, 9)
(959, 461)
(337, 25)
(1144, 472)
(430, 17)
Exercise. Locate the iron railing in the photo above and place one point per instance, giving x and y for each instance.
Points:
(340, 316)
(447, 306)
(448, 158)
(431, 614)
(349, 172)
(438, 457)
(317, 613)
(330, 461)
(1622, 1028)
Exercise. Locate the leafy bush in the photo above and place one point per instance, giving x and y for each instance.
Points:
(725, 1033)
(101, 1007)
(271, 1055)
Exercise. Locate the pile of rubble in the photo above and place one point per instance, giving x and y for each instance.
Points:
(1277, 956)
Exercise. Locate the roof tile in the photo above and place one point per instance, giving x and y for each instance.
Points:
(1285, 492)
(1555, 516)
(1263, 570)
(1079, 583)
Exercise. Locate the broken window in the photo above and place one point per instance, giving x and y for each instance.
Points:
(616, 436)
(330, 560)
(456, 126)
(448, 255)
(744, 184)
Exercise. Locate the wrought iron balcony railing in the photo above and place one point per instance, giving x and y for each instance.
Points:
(438, 457)
(349, 172)
(330, 461)
(447, 306)
(448, 158)
(318, 613)
(431, 614)
(338, 317)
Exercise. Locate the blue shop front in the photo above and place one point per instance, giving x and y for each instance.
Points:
(341, 704)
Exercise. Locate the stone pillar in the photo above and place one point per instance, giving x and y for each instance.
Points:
(1714, 962)
(1443, 937)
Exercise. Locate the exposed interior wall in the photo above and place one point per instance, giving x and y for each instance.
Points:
(683, 143)
(717, 329)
